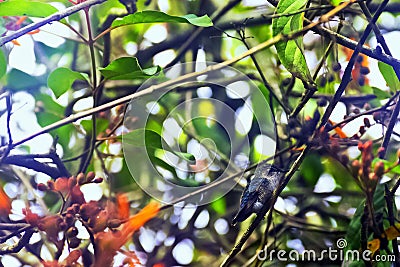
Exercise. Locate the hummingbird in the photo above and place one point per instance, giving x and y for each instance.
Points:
(259, 191)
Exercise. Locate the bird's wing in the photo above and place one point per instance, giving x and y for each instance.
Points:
(246, 205)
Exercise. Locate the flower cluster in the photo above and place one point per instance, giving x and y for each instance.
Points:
(107, 221)
(368, 178)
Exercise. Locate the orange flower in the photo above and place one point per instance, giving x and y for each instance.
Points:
(123, 206)
(108, 243)
(61, 184)
(5, 203)
(338, 131)
(139, 219)
(362, 62)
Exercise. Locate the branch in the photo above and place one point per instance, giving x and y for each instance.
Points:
(55, 17)
(347, 73)
(265, 209)
(157, 87)
(165, 85)
(9, 109)
(14, 233)
(391, 216)
(395, 114)
(96, 94)
(196, 33)
(30, 163)
(18, 246)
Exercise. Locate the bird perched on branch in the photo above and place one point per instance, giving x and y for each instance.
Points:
(259, 191)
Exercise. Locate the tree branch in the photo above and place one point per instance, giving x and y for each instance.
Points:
(55, 17)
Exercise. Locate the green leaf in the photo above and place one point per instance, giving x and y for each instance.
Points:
(20, 81)
(259, 105)
(61, 79)
(219, 206)
(127, 68)
(101, 125)
(152, 140)
(353, 234)
(335, 2)
(354, 230)
(214, 131)
(123, 180)
(389, 75)
(107, 8)
(153, 16)
(3, 64)
(53, 112)
(26, 8)
(380, 94)
(291, 52)
(312, 168)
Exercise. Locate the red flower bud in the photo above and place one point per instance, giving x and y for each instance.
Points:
(71, 232)
(81, 178)
(367, 123)
(90, 176)
(72, 182)
(379, 168)
(61, 184)
(42, 187)
(77, 195)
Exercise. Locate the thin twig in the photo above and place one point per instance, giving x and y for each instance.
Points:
(385, 47)
(391, 216)
(390, 127)
(86, 160)
(196, 33)
(347, 73)
(10, 141)
(19, 245)
(367, 112)
(222, 180)
(165, 85)
(55, 17)
(14, 233)
(265, 209)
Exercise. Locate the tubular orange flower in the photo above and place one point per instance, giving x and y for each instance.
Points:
(122, 206)
(20, 20)
(108, 243)
(339, 131)
(139, 219)
(5, 203)
(15, 42)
